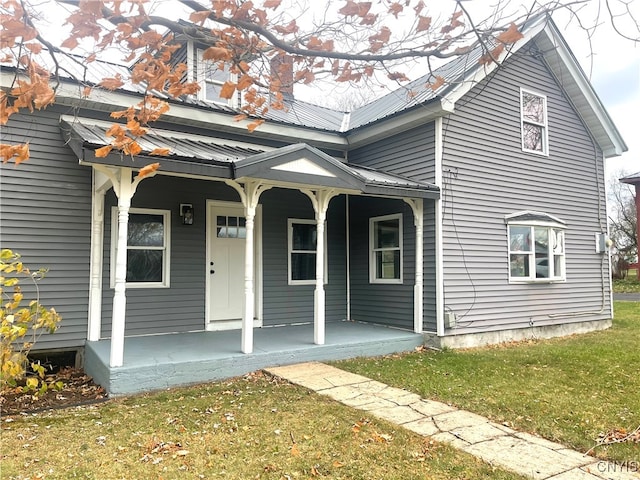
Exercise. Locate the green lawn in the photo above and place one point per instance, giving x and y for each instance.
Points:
(567, 390)
(251, 428)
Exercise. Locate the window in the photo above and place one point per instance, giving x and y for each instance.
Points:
(534, 122)
(147, 247)
(211, 79)
(536, 253)
(385, 246)
(303, 239)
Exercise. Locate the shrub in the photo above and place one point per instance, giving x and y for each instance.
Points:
(21, 325)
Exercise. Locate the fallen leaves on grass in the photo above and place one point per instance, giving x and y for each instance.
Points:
(616, 435)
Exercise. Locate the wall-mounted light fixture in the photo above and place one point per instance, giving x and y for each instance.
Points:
(186, 212)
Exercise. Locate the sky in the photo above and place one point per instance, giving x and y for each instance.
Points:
(611, 62)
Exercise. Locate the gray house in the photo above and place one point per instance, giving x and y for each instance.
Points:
(467, 215)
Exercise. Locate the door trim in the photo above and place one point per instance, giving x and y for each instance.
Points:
(257, 269)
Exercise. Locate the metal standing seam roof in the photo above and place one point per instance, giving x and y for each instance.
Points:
(201, 149)
(182, 146)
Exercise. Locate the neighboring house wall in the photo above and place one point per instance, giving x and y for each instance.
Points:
(411, 154)
(45, 215)
(486, 176)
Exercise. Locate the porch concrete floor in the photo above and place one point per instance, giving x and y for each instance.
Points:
(161, 361)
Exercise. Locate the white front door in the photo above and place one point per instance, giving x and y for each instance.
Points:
(227, 237)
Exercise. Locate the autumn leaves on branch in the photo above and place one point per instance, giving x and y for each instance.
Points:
(353, 42)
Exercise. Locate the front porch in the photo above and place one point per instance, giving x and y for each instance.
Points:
(156, 362)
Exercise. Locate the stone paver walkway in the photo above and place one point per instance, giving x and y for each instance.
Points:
(494, 443)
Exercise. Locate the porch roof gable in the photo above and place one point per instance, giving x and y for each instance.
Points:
(197, 155)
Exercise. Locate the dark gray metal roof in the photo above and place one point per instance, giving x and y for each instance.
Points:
(632, 179)
(189, 152)
(181, 145)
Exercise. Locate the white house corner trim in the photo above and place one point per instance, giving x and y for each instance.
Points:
(439, 246)
(417, 207)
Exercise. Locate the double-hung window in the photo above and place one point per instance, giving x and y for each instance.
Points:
(303, 240)
(211, 77)
(147, 247)
(534, 122)
(536, 249)
(385, 249)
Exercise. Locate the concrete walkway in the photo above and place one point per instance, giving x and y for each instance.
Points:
(496, 444)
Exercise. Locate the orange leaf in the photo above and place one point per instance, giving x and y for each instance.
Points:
(217, 54)
(34, 47)
(160, 151)
(132, 148)
(148, 170)
(338, 464)
(350, 9)
(112, 83)
(86, 91)
(424, 23)
(227, 90)
(295, 451)
(437, 84)
(22, 153)
(273, 4)
(70, 43)
(199, 17)
(239, 118)
(398, 76)
(253, 125)
(395, 8)
(511, 35)
(103, 151)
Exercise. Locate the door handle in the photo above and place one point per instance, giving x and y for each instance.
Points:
(212, 271)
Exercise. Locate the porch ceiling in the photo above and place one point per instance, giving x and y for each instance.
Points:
(292, 165)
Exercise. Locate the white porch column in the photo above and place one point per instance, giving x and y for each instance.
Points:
(124, 189)
(250, 195)
(417, 207)
(101, 184)
(320, 201)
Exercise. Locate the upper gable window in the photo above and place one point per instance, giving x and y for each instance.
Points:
(534, 122)
(211, 79)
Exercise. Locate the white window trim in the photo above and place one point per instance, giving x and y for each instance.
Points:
(290, 250)
(167, 248)
(232, 102)
(549, 226)
(372, 250)
(545, 125)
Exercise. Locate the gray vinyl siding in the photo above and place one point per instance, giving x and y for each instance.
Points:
(284, 303)
(181, 307)
(45, 215)
(386, 304)
(410, 154)
(487, 176)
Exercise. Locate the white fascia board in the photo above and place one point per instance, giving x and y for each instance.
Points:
(588, 102)
(381, 129)
(184, 114)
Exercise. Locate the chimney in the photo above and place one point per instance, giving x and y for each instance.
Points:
(282, 71)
